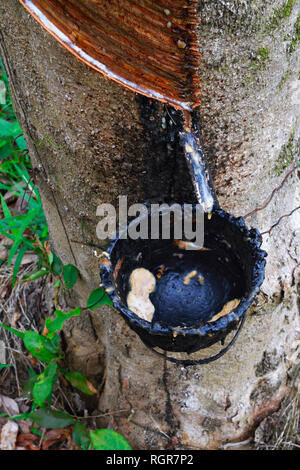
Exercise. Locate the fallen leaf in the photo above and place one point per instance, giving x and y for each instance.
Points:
(4, 250)
(9, 197)
(27, 440)
(4, 253)
(9, 436)
(7, 241)
(91, 387)
(53, 437)
(23, 425)
(9, 405)
(47, 248)
(29, 258)
(5, 290)
(15, 319)
(21, 205)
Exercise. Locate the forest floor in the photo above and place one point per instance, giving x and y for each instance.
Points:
(25, 307)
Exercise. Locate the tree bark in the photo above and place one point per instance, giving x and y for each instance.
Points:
(115, 143)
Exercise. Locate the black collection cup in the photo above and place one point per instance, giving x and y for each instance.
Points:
(231, 267)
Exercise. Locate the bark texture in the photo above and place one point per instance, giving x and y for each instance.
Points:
(116, 143)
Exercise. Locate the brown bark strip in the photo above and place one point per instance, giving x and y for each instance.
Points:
(149, 47)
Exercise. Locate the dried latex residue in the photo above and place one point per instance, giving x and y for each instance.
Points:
(184, 245)
(226, 309)
(142, 283)
(188, 277)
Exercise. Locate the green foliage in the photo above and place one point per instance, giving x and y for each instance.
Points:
(51, 419)
(107, 439)
(41, 347)
(3, 366)
(23, 229)
(13, 330)
(100, 439)
(43, 385)
(39, 388)
(29, 384)
(60, 317)
(47, 349)
(36, 431)
(80, 382)
(70, 274)
(81, 436)
(29, 233)
(55, 264)
(97, 298)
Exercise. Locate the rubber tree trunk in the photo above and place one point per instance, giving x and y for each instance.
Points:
(116, 143)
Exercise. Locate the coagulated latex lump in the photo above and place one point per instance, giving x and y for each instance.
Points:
(142, 283)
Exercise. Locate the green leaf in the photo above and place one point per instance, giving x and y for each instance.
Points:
(18, 264)
(45, 230)
(38, 274)
(40, 347)
(21, 416)
(80, 382)
(18, 240)
(6, 211)
(50, 258)
(43, 386)
(51, 419)
(98, 297)
(107, 439)
(21, 142)
(70, 274)
(55, 341)
(105, 301)
(61, 317)
(9, 129)
(36, 431)
(28, 386)
(12, 330)
(5, 149)
(57, 284)
(56, 265)
(81, 436)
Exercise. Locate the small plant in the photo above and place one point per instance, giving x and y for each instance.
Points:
(39, 388)
(28, 231)
(26, 226)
